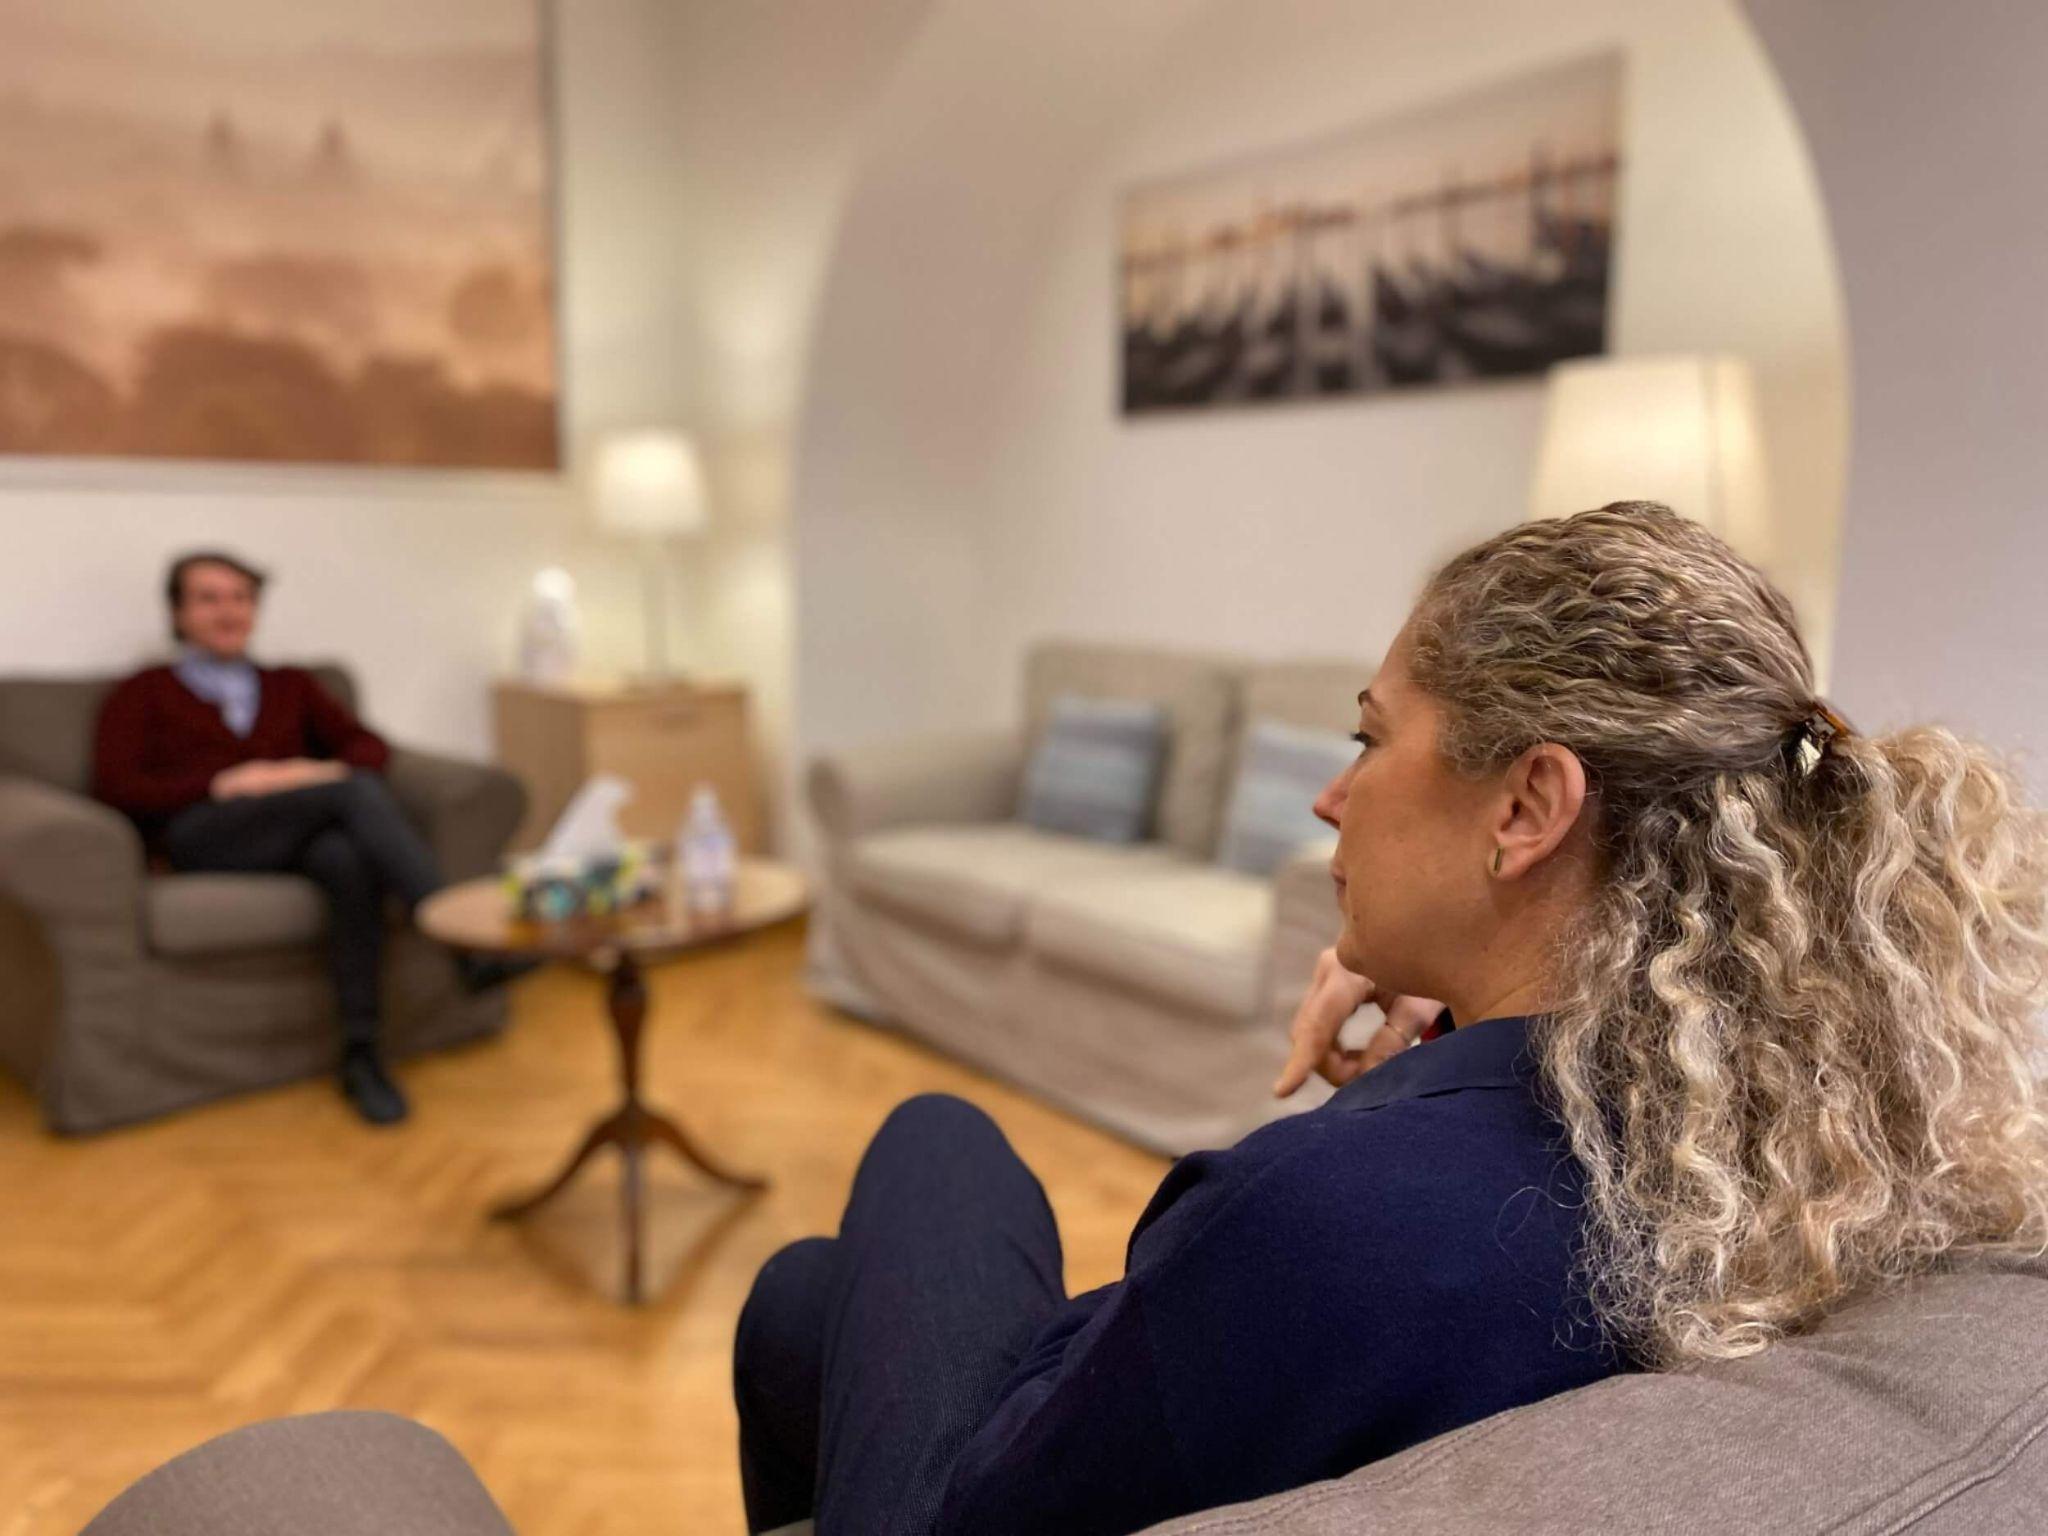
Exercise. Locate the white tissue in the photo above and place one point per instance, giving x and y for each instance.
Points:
(588, 827)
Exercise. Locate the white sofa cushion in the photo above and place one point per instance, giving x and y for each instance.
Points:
(977, 881)
(1187, 933)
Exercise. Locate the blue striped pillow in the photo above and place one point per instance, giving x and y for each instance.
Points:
(1096, 770)
(1271, 813)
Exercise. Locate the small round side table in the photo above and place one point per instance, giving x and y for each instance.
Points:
(476, 915)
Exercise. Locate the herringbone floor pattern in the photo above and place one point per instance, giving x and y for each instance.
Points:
(271, 1256)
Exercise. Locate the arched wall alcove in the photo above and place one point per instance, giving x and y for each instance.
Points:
(963, 481)
(1926, 124)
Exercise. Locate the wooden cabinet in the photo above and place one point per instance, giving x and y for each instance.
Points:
(662, 738)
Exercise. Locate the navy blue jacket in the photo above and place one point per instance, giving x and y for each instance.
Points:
(1337, 1286)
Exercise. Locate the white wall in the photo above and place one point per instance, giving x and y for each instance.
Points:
(771, 104)
(415, 578)
(921, 324)
(1927, 124)
(966, 482)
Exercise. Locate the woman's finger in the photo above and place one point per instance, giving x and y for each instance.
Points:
(1405, 1018)
(1331, 999)
(1410, 1015)
(1386, 1043)
(1339, 1066)
(1309, 1041)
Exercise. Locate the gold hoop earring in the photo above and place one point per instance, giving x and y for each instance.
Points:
(1496, 859)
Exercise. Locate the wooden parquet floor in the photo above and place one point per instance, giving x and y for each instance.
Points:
(270, 1255)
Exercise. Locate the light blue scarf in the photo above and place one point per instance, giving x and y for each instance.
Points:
(232, 686)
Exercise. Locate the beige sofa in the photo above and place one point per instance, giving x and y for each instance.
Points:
(1924, 1412)
(1143, 986)
(126, 993)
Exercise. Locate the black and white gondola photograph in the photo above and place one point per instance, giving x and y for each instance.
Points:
(1472, 239)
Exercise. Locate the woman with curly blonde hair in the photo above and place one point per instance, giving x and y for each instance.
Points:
(1729, 1015)
(1790, 1022)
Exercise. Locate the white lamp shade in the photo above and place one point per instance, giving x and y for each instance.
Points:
(649, 484)
(1680, 430)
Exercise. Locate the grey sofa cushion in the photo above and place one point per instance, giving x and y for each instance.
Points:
(1280, 771)
(1094, 772)
(1199, 694)
(220, 914)
(1925, 1410)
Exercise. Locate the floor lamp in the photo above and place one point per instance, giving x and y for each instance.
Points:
(1681, 430)
(649, 486)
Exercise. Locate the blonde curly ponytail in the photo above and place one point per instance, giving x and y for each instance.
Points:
(1794, 1047)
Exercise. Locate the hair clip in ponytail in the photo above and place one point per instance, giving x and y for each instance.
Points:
(1812, 737)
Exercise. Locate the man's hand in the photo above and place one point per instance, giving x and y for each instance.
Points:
(270, 777)
(301, 771)
(1334, 994)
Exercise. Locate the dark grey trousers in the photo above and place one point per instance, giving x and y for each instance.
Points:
(349, 838)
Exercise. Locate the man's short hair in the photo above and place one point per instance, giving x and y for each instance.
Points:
(174, 578)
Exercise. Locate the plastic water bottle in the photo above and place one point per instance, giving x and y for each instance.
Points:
(707, 856)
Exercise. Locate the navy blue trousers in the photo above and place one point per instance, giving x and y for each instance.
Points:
(864, 1362)
(350, 839)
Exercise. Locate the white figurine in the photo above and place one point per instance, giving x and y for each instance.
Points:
(549, 634)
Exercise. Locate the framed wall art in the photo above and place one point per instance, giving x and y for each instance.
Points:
(1471, 239)
(234, 230)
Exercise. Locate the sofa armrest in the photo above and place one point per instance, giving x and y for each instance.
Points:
(1306, 921)
(324, 1474)
(965, 777)
(69, 861)
(466, 811)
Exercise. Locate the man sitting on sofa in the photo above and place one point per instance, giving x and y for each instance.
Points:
(228, 765)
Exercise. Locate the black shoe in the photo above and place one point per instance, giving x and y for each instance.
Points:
(482, 973)
(367, 1086)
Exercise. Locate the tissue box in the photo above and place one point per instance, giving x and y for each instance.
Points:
(551, 888)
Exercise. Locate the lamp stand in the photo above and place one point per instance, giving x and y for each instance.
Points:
(654, 609)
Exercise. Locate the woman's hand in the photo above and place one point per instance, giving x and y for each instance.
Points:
(1334, 994)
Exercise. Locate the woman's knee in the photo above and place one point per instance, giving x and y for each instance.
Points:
(937, 1116)
(938, 1149)
(784, 1314)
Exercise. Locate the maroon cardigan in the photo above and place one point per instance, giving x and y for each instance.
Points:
(159, 744)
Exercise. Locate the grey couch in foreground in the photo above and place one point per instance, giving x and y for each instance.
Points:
(1143, 986)
(126, 993)
(1922, 1411)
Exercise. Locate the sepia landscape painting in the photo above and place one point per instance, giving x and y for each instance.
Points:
(1470, 240)
(250, 230)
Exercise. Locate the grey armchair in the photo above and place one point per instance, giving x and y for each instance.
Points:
(322, 1474)
(1925, 1410)
(126, 993)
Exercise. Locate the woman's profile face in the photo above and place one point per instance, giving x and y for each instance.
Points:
(1412, 843)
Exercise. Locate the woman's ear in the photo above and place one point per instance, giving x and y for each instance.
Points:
(1543, 795)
